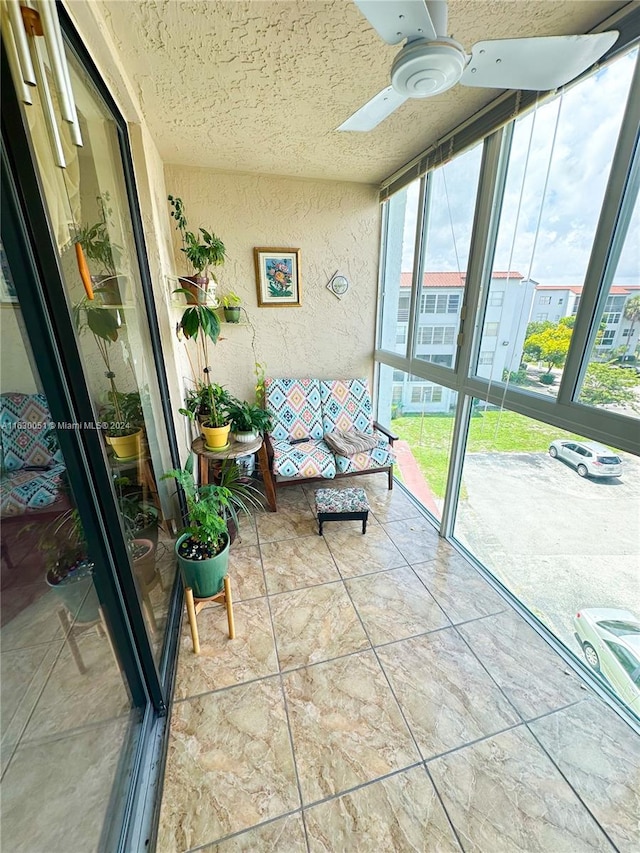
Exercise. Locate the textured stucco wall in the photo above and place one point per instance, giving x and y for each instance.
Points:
(336, 226)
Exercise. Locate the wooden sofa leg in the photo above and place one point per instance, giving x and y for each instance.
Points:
(390, 477)
(263, 459)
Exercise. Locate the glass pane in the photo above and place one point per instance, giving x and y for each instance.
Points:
(402, 217)
(449, 224)
(88, 208)
(556, 180)
(67, 716)
(554, 516)
(612, 379)
(422, 414)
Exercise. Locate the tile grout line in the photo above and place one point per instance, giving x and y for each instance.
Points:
(563, 775)
(240, 832)
(285, 703)
(402, 714)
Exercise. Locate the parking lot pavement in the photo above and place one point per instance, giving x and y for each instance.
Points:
(558, 541)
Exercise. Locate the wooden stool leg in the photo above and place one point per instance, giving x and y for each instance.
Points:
(67, 629)
(191, 612)
(229, 604)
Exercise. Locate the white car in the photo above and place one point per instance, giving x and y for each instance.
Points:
(610, 641)
(587, 457)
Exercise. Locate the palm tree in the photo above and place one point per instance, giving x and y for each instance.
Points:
(632, 312)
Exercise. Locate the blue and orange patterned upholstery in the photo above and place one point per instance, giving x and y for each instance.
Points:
(346, 404)
(32, 466)
(294, 406)
(310, 408)
(309, 459)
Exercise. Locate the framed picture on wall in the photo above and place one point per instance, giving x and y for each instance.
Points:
(278, 277)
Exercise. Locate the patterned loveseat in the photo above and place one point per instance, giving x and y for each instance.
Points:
(32, 474)
(303, 411)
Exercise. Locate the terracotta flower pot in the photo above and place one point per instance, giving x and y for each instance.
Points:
(197, 285)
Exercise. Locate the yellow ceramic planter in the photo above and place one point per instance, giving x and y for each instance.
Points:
(216, 438)
(125, 446)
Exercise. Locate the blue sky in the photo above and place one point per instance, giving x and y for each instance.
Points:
(567, 144)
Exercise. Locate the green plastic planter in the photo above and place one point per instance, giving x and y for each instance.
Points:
(232, 314)
(78, 594)
(205, 577)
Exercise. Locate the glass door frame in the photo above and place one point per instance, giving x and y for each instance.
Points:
(33, 259)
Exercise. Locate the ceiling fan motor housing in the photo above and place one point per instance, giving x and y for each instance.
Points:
(426, 68)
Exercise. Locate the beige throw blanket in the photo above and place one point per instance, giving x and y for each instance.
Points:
(350, 442)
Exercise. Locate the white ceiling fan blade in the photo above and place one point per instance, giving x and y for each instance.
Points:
(374, 111)
(534, 63)
(396, 20)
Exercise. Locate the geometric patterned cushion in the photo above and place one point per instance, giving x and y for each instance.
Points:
(24, 447)
(379, 457)
(346, 405)
(307, 459)
(341, 500)
(294, 406)
(24, 490)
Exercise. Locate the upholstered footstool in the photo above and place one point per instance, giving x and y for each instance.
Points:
(342, 505)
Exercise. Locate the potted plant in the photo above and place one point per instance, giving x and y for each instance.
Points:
(212, 412)
(243, 496)
(69, 572)
(141, 518)
(202, 548)
(203, 250)
(123, 411)
(231, 303)
(101, 254)
(248, 420)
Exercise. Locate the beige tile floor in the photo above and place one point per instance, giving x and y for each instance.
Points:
(381, 696)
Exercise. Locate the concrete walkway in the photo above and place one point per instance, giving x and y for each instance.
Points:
(413, 477)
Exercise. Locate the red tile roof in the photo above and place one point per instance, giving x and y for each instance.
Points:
(451, 279)
(616, 289)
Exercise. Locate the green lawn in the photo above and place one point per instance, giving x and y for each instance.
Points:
(498, 432)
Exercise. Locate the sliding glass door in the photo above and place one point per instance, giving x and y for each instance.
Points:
(89, 593)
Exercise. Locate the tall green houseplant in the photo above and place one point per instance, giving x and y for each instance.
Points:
(202, 248)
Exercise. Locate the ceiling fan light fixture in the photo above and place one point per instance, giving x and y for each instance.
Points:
(423, 68)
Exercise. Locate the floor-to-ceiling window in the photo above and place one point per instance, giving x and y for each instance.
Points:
(89, 587)
(519, 426)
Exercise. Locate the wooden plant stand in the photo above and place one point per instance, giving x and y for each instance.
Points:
(195, 605)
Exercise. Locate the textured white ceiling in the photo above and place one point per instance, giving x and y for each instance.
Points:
(260, 86)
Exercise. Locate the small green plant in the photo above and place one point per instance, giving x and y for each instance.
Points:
(248, 417)
(62, 543)
(104, 323)
(515, 377)
(207, 507)
(123, 413)
(96, 242)
(203, 249)
(547, 379)
(209, 402)
(259, 372)
(231, 300)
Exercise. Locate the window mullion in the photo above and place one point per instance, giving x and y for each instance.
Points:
(418, 263)
(607, 245)
(485, 230)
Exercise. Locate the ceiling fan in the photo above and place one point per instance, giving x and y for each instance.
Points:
(430, 63)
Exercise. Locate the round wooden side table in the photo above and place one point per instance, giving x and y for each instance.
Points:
(235, 450)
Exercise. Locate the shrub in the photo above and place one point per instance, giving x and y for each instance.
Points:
(547, 379)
